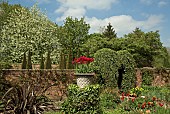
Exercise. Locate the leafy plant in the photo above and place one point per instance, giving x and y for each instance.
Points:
(82, 64)
(82, 101)
(137, 90)
(147, 77)
(24, 99)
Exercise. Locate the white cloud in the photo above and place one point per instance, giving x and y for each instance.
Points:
(162, 3)
(147, 2)
(124, 24)
(77, 8)
(42, 1)
(89, 4)
(73, 12)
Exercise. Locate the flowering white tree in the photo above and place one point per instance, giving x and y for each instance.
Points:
(26, 30)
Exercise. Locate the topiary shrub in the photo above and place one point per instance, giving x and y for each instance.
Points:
(82, 101)
(42, 62)
(29, 63)
(24, 61)
(48, 61)
(129, 77)
(106, 66)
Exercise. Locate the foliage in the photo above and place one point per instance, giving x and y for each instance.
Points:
(143, 46)
(93, 44)
(25, 30)
(24, 61)
(137, 90)
(42, 62)
(48, 61)
(109, 99)
(147, 77)
(106, 65)
(29, 62)
(82, 101)
(83, 64)
(127, 60)
(5, 65)
(24, 99)
(71, 36)
(109, 32)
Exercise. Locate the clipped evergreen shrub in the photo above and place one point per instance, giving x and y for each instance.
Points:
(82, 100)
(106, 66)
(42, 62)
(48, 61)
(129, 77)
(29, 63)
(24, 61)
(62, 64)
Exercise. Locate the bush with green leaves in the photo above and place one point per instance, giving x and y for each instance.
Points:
(147, 77)
(127, 60)
(106, 65)
(82, 100)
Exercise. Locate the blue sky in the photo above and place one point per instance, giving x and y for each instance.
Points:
(124, 15)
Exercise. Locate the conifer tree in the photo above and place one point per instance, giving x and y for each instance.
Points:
(109, 32)
(42, 62)
(48, 61)
(29, 64)
(24, 61)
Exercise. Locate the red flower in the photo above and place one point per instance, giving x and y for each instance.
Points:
(82, 60)
(143, 105)
(161, 104)
(133, 99)
(122, 98)
(128, 94)
(153, 98)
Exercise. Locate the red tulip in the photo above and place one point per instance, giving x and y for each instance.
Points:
(161, 104)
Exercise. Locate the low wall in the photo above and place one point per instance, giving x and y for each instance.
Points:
(56, 81)
(156, 76)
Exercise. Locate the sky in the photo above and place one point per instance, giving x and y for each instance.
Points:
(124, 15)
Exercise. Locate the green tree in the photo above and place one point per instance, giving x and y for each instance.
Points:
(42, 62)
(24, 61)
(48, 61)
(29, 62)
(71, 36)
(109, 32)
(143, 46)
(25, 30)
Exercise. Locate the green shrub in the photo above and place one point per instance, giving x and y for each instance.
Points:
(29, 63)
(82, 100)
(147, 77)
(5, 65)
(42, 62)
(127, 60)
(24, 61)
(105, 65)
(48, 61)
(109, 101)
